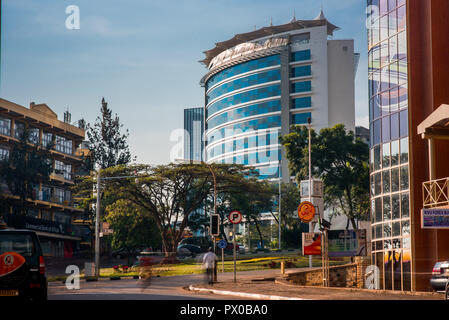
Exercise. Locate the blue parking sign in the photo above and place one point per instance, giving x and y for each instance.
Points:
(222, 244)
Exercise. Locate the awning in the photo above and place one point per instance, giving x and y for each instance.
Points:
(436, 125)
(57, 236)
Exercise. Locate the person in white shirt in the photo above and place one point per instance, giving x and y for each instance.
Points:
(209, 260)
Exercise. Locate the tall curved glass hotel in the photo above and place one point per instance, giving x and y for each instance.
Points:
(260, 83)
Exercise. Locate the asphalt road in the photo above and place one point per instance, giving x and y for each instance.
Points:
(163, 288)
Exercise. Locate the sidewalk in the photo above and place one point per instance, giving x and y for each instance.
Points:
(271, 286)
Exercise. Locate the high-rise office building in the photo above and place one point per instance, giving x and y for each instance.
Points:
(260, 83)
(407, 81)
(193, 133)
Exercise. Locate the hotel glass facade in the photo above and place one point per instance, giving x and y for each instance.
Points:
(243, 108)
(389, 150)
(260, 83)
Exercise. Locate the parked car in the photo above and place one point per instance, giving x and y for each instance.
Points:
(203, 242)
(440, 276)
(189, 249)
(22, 266)
(124, 253)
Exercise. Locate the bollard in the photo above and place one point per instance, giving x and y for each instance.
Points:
(283, 267)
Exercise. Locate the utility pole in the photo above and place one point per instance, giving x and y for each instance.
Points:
(97, 228)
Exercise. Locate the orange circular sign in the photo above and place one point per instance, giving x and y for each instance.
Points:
(306, 211)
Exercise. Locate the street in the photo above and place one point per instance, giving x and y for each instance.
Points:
(163, 288)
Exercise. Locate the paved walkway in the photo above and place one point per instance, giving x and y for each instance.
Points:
(269, 285)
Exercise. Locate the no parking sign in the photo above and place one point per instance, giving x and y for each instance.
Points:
(235, 217)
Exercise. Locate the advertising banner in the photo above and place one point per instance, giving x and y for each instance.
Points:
(347, 243)
(435, 218)
(311, 243)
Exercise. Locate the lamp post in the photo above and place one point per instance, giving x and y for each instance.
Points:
(280, 199)
(97, 219)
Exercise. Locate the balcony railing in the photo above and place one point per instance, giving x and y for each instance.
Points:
(436, 193)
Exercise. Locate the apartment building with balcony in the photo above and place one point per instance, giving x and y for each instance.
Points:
(51, 209)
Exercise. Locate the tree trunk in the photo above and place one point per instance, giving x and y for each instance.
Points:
(259, 232)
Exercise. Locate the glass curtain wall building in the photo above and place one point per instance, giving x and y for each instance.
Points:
(193, 133)
(389, 160)
(260, 83)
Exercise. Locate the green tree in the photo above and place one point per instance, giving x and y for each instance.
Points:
(27, 165)
(132, 227)
(341, 161)
(108, 146)
(253, 198)
(171, 193)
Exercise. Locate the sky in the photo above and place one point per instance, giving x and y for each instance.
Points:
(143, 56)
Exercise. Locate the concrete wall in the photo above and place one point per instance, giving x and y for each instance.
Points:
(341, 83)
(345, 276)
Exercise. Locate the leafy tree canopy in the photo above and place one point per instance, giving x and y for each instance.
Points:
(340, 160)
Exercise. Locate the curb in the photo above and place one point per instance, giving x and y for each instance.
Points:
(410, 293)
(242, 294)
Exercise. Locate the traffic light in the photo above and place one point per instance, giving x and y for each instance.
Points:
(214, 225)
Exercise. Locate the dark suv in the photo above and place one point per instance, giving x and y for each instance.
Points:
(22, 267)
(440, 276)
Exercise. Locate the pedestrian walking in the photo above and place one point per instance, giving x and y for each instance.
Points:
(145, 272)
(209, 263)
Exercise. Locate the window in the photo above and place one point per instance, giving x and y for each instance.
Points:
(64, 145)
(301, 71)
(304, 102)
(64, 170)
(47, 138)
(5, 126)
(62, 217)
(59, 195)
(252, 80)
(34, 136)
(248, 96)
(20, 243)
(19, 128)
(301, 55)
(4, 153)
(301, 118)
(243, 68)
(304, 86)
(252, 110)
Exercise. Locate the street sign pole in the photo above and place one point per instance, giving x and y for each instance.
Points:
(235, 256)
(235, 217)
(222, 259)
